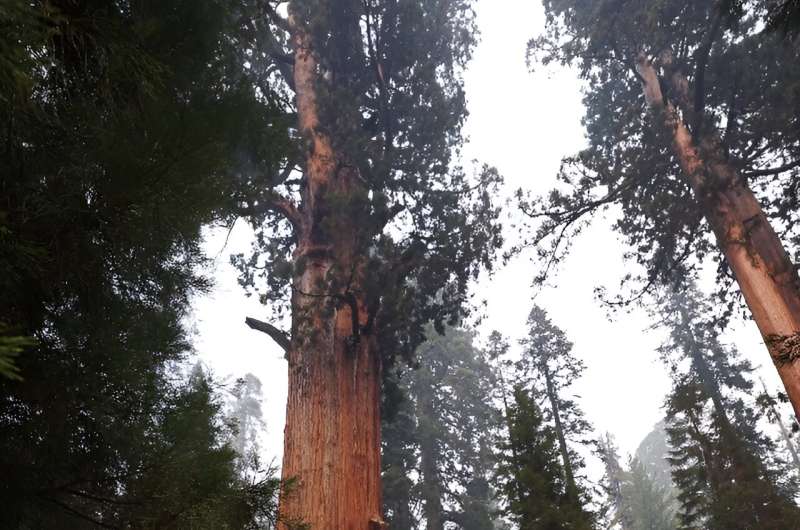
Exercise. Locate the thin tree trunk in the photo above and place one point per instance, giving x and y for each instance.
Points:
(572, 489)
(785, 435)
(707, 379)
(331, 462)
(746, 465)
(763, 270)
(510, 429)
(431, 482)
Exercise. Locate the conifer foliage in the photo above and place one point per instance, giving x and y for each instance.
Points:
(549, 367)
(541, 469)
(370, 231)
(691, 124)
(530, 475)
(124, 125)
(639, 498)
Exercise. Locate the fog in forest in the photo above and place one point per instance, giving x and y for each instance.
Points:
(434, 265)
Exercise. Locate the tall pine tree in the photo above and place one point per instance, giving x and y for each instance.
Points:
(548, 368)
(648, 505)
(530, 475)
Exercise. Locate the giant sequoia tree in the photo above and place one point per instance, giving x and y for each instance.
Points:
(376, 233)
(692, 125)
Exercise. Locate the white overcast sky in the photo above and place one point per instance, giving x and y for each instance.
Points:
(523, 123)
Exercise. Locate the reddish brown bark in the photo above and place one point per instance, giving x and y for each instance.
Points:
(332, 436)
(763, 270)
(331, 445)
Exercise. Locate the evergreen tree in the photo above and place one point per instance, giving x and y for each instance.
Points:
(639, 498)
(691, 120)
(377, 234)
(124, 127)
(548, 368)
(647, 505)
(771, 406)
(653, 453)
(189, 476)
(615, 512)
(442, 431)
(722, 466)
(399, 456)
(530, 476)
(247, 417)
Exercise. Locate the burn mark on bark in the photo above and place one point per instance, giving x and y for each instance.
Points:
(784, 349)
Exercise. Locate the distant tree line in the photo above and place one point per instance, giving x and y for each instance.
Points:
(482, 438)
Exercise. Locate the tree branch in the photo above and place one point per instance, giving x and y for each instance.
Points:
(78, 514)
(280, 337)
(283, 61)
(275, 18)
(771, 170)
(276, 203)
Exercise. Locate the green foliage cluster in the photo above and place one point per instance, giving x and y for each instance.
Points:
(530, 473)
(547, 369)
(541, 468)
(648, 504)
(640, 496)
(125, 129)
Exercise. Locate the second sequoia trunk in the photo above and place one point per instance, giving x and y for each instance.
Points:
(763, 270)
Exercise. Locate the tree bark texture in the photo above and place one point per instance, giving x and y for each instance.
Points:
(765, 274)
(331, 462)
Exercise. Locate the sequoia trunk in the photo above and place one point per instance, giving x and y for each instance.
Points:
(332, 438)
(763, 270)
(331, 461)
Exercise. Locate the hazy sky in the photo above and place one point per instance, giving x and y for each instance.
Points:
(523, 123)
